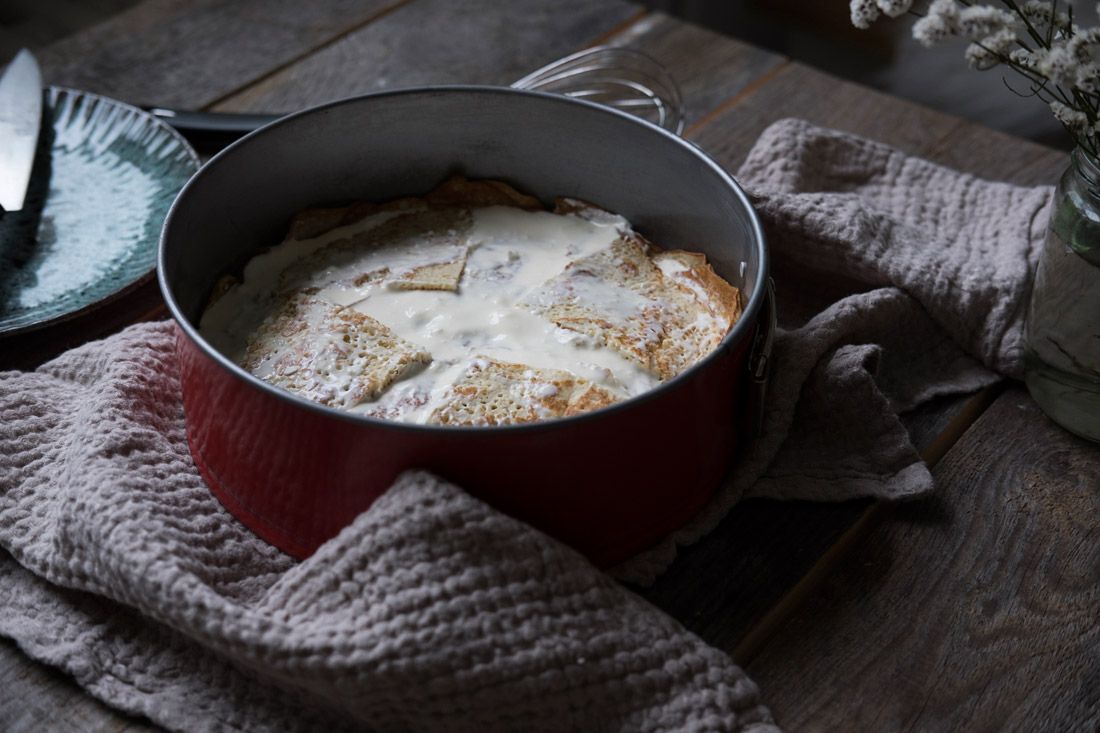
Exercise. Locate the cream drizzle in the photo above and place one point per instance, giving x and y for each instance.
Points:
(512, 253)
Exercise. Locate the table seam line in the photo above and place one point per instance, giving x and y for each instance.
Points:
(299, 58)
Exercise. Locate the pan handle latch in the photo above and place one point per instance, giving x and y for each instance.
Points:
(760, 362)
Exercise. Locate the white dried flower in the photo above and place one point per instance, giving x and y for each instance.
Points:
(1056, 63)
(894, 8)
(945, 19)
(1075, 121)
(864, 13)
(978, 57)
(1087, 36)
(1080, 48)
(1039, 13)
(1024, 58)
(989, 51)
(981, 21)
(1081, 52)
(1002, 42)
(1088, 77)
(1059, 60)
(940, 22)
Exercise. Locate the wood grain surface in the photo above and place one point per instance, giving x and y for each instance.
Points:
(739, 583)
(976, 609)
(764, 584)
(762, 550)
(190, 54)
(438, 42)
(192, 51)
(800, 91)
(709, 68)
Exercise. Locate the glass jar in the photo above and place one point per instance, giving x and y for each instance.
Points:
(1062, 356)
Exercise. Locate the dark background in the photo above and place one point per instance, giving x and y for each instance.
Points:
(884, 57)
(817, 32)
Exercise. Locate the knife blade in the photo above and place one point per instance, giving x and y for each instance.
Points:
(20, 117)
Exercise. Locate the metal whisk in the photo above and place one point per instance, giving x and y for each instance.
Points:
(623, 78)
(617, 77)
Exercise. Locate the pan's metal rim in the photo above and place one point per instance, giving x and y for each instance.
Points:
(740, 331)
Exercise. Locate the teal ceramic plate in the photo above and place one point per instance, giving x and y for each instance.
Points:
(104, 176)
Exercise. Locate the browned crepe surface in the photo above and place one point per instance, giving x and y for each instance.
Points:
(662, 320)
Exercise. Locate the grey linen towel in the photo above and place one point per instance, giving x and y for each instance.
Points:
(898, 281)
(432, 611)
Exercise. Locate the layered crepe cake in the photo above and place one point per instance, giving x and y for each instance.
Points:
(471, 305)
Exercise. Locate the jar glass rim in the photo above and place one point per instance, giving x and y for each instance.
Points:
(1088, 167)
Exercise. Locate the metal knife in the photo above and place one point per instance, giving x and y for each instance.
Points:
(20, 117)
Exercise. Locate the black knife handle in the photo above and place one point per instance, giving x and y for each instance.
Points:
(211, 130)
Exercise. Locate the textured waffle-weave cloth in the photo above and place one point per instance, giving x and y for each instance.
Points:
(432, 611)
(897, 281)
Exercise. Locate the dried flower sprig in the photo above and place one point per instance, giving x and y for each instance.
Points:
(1059, 60)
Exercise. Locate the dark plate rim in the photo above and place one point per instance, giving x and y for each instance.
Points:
(142, 279)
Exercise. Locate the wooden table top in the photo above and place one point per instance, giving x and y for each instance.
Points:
(975, 609)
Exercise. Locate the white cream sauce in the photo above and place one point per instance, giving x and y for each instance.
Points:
(233, 318)
(512, 253)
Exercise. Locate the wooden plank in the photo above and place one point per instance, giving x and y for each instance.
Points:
(716, 586)
(799, 91)
(1005, 157)
(724, 585)
(189, 54)
(743, 572)
(438, 42)
(104, 58)
(729, 588)
(708, 67)
(935, 429)
(973, 610)
(720, 68)
(192, 54)
(735, 586)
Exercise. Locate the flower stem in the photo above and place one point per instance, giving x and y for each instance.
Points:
(1031, 30)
